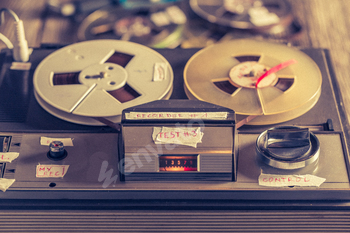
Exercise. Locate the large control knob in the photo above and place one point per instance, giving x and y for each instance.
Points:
(57, 151)
(288, 147)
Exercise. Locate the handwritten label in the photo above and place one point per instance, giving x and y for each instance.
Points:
(55, 171)
(290, 180)
(159, 71)
(8, 156)
(45, 141)
(176, 115)
(6, 183)
(188, 136)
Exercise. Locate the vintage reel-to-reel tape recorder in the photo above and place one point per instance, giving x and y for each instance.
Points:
(114, 124)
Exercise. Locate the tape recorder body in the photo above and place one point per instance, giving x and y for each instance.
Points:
(110, 166)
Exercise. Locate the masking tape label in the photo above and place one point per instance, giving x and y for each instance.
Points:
(8, 156)
(5, 183)
(290, 180)
(188, 136)
(55, 171)
(45, 141)
(176, 115)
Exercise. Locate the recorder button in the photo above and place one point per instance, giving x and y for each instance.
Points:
(57, 151)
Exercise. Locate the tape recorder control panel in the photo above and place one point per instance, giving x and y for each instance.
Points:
(116, 120)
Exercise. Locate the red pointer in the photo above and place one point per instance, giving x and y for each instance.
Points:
(275, 69)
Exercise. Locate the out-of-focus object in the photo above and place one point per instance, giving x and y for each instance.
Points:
(143, 3)
(77, 7)
(19, 48)
(272, 17)
(158, 27)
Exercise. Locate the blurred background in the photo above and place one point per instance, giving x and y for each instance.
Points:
(190, 23)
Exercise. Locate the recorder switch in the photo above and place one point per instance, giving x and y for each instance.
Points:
(288, 142)
(288, 147)
(57, 151)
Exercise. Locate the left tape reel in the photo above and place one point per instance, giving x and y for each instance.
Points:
(98, 79)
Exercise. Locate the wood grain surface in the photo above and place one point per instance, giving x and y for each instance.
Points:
(326, 25)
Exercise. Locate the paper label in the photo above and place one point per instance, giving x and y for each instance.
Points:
(159, 72)
(188, 136)
(176, 115)
(5, 183)
(290, 180)
(8, 156)
(45, 141)
(55, 171)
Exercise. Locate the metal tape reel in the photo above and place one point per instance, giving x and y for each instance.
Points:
(244, 14)
(157, 26)
(210, 76)
(100, 78)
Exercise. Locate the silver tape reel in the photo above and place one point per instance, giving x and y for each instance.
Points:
(98, 79)
(244, 14)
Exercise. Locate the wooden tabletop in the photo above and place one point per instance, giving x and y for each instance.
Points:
(326, 25)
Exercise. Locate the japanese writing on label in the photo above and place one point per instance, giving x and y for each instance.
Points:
(45, 141)
(290, 180)
(8, 156)
(176, 115)
(188, 136)
(55, 171)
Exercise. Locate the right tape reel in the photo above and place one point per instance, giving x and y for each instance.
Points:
(225, 74)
